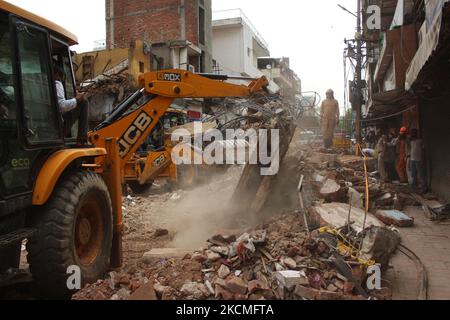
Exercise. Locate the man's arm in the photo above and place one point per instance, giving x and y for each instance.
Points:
(64, 105)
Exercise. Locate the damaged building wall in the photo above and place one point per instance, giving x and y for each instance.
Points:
(134, 60)
(161, 21)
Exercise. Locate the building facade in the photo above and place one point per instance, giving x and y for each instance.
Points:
(408, 77)
(173, 27)
(237, 45)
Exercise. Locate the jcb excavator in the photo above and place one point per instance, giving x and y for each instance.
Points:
(67, 200)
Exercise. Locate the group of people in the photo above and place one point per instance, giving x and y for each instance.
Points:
(401, 158)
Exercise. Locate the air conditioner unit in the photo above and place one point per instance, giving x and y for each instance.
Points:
(191, 68)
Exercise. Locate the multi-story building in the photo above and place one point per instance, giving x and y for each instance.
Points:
(178, 31)
(237, 44)
(240, 50)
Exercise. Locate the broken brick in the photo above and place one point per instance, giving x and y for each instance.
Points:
(236, 285)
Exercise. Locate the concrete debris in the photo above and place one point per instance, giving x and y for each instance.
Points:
(223, 272)
(194, 290)
(278, 259)
(145, 292)
(288, 262)
(356, 199)
(395, 217)
(336, 215)
(236, 285)
(290, 279)
(332, 191)
(212, 256)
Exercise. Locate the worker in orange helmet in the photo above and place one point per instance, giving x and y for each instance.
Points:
(402, 155)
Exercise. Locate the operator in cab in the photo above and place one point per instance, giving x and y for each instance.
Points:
(73, 110)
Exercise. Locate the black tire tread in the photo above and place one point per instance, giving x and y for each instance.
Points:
(50, 252)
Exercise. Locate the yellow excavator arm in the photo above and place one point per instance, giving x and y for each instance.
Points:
(159, 90)
(128, 126)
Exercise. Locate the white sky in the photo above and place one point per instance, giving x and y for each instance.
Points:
(310, 32)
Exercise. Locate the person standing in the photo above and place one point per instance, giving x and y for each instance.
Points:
(382, 145)
(329, 115)
(417, 171)
(402, 155)
(390, 156)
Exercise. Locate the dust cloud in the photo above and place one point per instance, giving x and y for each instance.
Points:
(206, 211)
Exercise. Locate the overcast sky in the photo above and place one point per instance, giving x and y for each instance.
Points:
(310, 32)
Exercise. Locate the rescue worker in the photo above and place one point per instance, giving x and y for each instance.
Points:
(402, 155)
(329, 115)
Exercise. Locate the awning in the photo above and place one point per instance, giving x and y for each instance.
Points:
(430, 44)
(389, 103)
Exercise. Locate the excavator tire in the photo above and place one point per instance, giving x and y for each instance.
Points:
(140, 189)
(75, 230)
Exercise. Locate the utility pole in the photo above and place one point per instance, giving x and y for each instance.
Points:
(358, 104)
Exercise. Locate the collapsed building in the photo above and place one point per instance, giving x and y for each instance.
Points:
(140, 38)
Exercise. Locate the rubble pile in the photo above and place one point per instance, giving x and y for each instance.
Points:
(275, 261)
(341, 179)
(118, 85)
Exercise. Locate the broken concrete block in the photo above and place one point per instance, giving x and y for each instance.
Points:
(356, 199)
(335, 215)
(223, 251)
(332, 288)
(223, 272)
(256, 286)
(195, 290)
(332, 191)
(289, 263)
(221, 293)
(213, 256)
(165, 253)
(123, 294)
(305, 292)
(236, 285)
(160, 289)
(395, 217)
(145, 292)
(199, 257)
(290, 278)
(319, 178)
(385, 200)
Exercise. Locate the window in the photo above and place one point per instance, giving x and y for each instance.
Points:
(61, 57)
(141, 67)
(201, 24)
(40, 112)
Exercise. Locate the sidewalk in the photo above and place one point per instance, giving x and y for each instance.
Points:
(430, 241)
